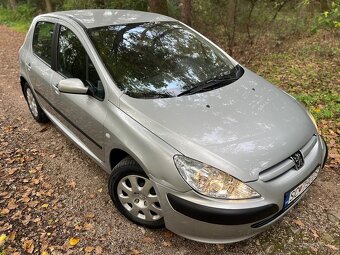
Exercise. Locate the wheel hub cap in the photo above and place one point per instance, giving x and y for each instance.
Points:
(138, 196)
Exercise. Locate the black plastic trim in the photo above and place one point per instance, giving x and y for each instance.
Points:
(326, 154)
(67, 119)
(221, 216)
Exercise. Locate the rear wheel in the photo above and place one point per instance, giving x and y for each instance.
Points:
(133, 194)
(35, 109)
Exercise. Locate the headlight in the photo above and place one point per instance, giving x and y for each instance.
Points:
(211, 181)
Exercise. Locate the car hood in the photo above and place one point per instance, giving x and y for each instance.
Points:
(242, 128)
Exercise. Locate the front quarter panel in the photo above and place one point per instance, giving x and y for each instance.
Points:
(153, 154)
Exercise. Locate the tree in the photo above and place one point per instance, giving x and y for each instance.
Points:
(158, 6)
(13, 4)
(186, 11)
(49, 6)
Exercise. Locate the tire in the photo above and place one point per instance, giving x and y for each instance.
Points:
(33, 105)
(133, 194)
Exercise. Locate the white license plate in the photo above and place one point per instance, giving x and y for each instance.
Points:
(290, 196)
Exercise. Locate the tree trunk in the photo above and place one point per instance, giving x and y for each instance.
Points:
(13, 4)
(49, 6)
(232, 14)
(186, 11)
(324, 5)
(158, 6)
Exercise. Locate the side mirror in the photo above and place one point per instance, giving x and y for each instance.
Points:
(72, 86)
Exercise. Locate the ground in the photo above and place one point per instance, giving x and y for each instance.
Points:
(54, 200)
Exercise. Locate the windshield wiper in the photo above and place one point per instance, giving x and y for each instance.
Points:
(214, 83)
(150, 95)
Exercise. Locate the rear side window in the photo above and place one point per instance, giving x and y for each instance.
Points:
(42, 41)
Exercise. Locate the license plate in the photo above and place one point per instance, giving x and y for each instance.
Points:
(290, 196)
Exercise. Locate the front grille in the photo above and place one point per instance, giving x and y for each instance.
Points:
(287, 164)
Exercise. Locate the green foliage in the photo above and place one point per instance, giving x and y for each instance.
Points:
(20, 19)
(112, 4)
(322, 105)
(330, 19)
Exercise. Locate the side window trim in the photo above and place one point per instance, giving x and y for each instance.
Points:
(32, 47)
(55, 39)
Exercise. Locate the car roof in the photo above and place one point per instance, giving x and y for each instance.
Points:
(105, 17)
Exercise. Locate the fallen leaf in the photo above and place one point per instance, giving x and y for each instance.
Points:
(299, 223)
(74, 240)
(167, 244)
(89, 249)
(99, 250)
(44, 206)
(334, 248)
(53, 156)
(35, 181)
(33, 203)
(28, 246)
(11, 204)
(25, 199)
(148, 240)
(3, 238)
(12, 235)
(313, 249)
(100, 190)
(72, 184)
(12, 171)
(89, 215)
(88, 226)
(135, 252)
(220, 246)
(39, 167)
(3, 194)
(44, 253)
(315, 234)
(4, 211)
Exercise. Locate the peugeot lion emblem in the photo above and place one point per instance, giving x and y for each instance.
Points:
(298, 160)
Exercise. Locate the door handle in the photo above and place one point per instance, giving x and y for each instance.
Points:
(55, 88)
(29, 67)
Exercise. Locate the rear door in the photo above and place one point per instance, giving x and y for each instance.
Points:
(84, 115)
(39, 60)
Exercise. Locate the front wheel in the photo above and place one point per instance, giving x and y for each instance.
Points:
(133, 194)
(35, 109)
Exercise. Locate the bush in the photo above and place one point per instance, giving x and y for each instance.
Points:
(330, 19)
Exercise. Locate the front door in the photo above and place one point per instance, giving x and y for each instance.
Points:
(84, 115)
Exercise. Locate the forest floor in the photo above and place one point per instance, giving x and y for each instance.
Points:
(54, 200)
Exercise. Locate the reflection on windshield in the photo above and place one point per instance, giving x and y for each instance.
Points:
(158, 59)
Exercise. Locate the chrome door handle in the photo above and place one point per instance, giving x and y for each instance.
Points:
(55, 88)
(29, 67)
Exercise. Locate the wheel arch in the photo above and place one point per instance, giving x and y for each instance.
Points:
(116, 155)
(23, 81)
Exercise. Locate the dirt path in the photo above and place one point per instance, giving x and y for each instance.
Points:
(50, 192)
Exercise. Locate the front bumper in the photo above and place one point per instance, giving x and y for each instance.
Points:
(205, 219)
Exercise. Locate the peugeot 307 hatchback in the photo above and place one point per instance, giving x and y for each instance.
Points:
(192, 140)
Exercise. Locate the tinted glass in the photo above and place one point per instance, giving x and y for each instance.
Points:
(73, 62)
(42, 41)
(157, 59)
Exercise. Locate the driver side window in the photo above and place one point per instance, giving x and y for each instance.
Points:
(73, 62)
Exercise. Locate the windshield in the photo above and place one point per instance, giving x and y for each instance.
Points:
(158, 59)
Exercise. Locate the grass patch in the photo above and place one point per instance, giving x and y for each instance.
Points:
(321, 105)
(20, 19)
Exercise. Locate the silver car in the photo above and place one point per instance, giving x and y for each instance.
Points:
(192, 140)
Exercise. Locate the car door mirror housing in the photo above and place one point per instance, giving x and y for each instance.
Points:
(72, 86)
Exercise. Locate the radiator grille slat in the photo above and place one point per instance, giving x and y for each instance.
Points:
(287, 164)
